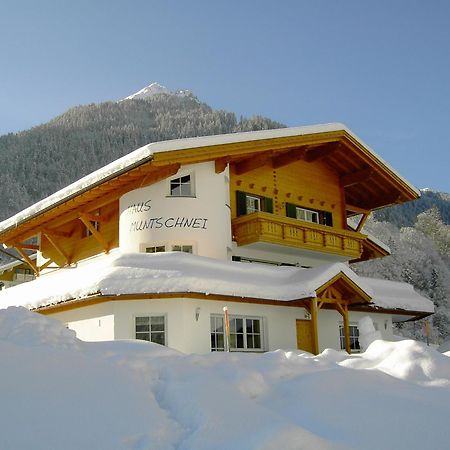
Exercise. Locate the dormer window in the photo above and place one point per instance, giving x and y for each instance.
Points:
(182, 186)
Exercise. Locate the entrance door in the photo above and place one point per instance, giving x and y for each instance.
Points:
(304, 335)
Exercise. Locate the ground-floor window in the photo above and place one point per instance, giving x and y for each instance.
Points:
(151, 328)
(246, 333)
(354, 338)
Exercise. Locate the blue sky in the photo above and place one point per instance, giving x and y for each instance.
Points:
(382, 68)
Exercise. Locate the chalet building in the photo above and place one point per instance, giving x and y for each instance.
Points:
(154, 245)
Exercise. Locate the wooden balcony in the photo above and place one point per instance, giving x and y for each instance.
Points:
(269, 228)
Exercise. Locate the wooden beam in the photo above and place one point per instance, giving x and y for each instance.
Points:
(45, 265)
(29, 246)
(57, 248)
(100, 239)
(314, 326)
(27, 260)
(95, 217)
(361, 223)
(220, 165)
(357, 209)
(289, 157)
(356, 177)
(322, 151)
(252, 163)
(346, 330)
(57, 233)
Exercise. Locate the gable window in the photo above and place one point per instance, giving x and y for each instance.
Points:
(182, 186)
(354, 338)
(249, 203)
(309, 215)
(151, 328)
(245, 333)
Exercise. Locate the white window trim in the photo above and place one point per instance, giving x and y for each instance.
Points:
(168, 245)
(351, 324)
(133, 325)
(192, 184)
(263, 327)
(306, 210)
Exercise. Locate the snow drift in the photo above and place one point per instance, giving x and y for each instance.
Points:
(59, 392)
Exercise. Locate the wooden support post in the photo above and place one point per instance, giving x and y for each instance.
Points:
(95, 233)
(346, 330)
(57, 248)
(28, 260)
(314, 325)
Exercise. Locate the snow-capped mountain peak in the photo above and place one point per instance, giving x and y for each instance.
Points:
(149, 91)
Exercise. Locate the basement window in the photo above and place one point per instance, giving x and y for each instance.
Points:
(151, 329)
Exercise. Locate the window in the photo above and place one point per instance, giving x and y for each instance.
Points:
(22, 274)
(253, 204)
(250, 203)
(245, 333)
(309, 215)
(181, 187)
(217, 334)
(156, 249)
(151, 328)
(182, 248)
(354, 338)
(171, 248)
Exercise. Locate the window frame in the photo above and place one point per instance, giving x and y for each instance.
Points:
(150, 316)
(265, 203)
(168, 247)
(180, 177)
(306, 211)
(245, 335)
(325, 218)
(355, 346)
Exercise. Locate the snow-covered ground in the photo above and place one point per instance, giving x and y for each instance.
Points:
(60, 393)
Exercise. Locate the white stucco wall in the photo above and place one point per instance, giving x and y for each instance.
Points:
(91, 323)
(116, 320)
(150, 216)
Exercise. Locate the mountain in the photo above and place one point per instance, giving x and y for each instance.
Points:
(156, 89)
(405, 215)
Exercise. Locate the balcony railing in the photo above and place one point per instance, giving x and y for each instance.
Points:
(265, 227)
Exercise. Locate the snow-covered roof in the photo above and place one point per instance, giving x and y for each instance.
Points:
(397, 295)
(146, 153)
(141, 273)
(15, 263)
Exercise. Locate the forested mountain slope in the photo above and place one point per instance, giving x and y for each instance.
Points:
(39, 161)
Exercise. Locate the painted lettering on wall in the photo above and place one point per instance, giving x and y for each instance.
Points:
(169, 222)
(139, 207)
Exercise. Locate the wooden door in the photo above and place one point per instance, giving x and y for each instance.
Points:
(304, 335)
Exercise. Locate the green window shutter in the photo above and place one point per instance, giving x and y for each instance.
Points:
(268, 205)
(327, 218)
(241, 203)
(291, 211)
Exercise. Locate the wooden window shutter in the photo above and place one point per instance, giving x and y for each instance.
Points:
(291, 210)
(267, 205)
(327, 218)
(241, 203)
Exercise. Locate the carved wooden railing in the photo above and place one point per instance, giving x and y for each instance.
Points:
(265, 227)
